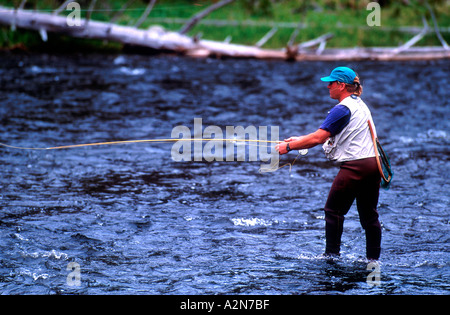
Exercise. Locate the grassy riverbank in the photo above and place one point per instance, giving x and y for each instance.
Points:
(247, 21)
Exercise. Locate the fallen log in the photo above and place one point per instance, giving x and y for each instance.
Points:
(376, 53)
(36, 21)
(154, 37)
(160, 39)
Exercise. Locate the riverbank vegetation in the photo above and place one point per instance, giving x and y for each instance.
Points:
(247, 21)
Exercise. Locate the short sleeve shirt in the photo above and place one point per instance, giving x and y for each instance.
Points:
(337, 119)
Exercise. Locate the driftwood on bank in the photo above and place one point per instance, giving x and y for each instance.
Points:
(159, 39)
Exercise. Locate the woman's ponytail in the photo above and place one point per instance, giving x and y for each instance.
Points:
(355, 88)
(358, 86)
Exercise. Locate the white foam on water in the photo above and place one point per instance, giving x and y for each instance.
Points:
(252, 222)
(131, 71)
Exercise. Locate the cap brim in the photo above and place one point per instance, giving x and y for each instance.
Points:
(328, 79)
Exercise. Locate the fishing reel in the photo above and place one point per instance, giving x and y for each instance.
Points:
(303, 152)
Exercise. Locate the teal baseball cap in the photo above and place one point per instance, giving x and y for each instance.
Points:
(341, 74)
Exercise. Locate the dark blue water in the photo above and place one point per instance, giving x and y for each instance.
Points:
(136, 222)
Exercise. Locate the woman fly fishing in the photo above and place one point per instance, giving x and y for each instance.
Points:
(347, 139)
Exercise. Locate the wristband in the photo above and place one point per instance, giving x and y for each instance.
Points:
(288, 148)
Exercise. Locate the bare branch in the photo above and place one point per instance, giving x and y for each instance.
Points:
(196, 18)
(22, 4)
(266, 37)
(436, 27)
(121, 10)
(321, 41)
(316, 41)
(146, 13)
(62, 7)
(43, 34)
(89, 12)
(294, 34)
(413, 40)
(321, 47)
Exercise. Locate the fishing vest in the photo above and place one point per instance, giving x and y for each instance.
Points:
(354, 142)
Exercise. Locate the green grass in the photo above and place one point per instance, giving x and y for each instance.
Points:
(345, 19)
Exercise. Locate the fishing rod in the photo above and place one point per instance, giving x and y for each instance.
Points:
(70, 146)
(236, 141)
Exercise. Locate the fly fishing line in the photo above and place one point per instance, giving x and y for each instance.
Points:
(253, 142)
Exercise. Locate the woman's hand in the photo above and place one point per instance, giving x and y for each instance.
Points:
(308, 141)
(281, 148)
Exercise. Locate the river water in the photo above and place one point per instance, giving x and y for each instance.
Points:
(128, 219)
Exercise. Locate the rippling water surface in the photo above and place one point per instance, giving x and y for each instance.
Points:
(136, 222)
